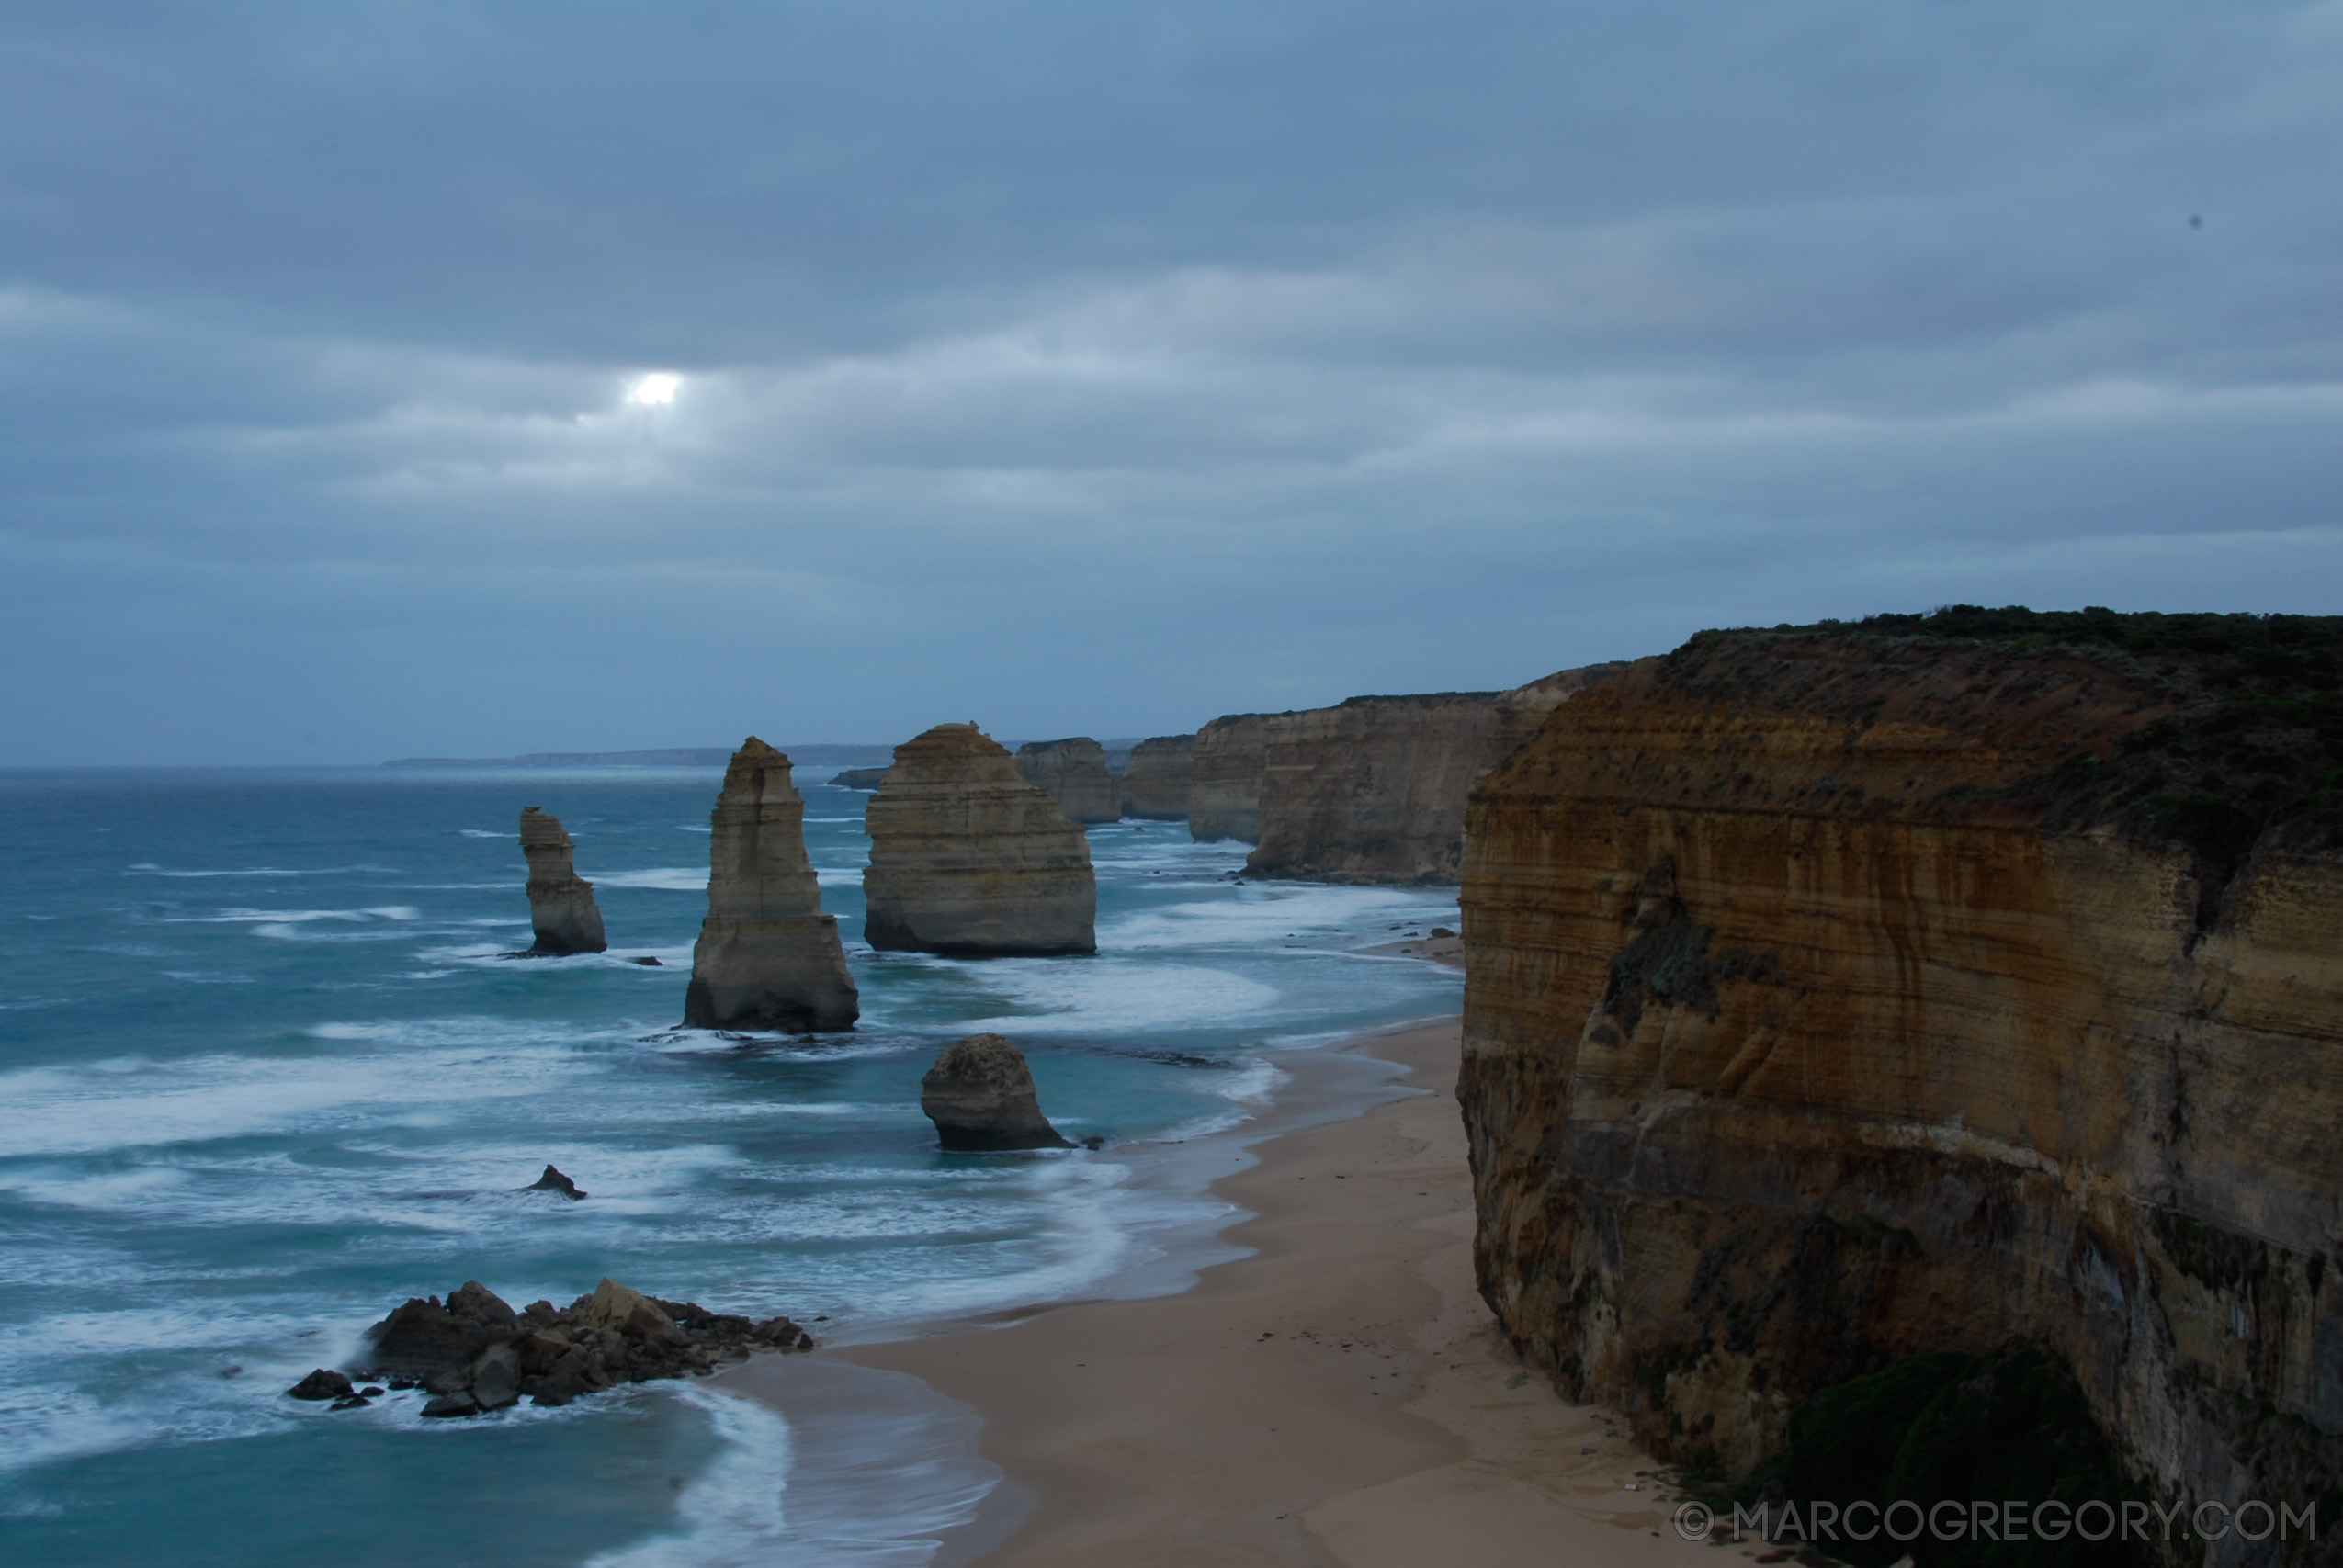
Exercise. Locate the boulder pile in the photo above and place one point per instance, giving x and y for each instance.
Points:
(473, 1353)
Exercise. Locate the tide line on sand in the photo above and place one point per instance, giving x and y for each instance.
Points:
(1339, 1395)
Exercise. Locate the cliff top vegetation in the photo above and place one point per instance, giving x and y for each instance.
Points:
(2250, 752)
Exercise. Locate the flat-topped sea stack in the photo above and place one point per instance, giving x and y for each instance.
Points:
(1373, 790)
(561, 907)
(767, 956)
(1154, 785)
(1073, 773)
(1928, 984)
(1223, 777)
(980, 1096)
(858, 778)
(968, 859)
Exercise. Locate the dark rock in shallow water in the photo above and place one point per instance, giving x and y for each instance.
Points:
(352, 1402)
(476, 1354)
(554, 1181)
(979, 1095)
(424, 1338)
(647, 962)
(322, 1384)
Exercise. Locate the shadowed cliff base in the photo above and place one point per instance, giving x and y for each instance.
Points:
(1839, 994)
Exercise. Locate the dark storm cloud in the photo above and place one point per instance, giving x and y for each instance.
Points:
(1085, 369)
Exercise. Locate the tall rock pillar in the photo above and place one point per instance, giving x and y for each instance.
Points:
(561, 907)
(767, 956)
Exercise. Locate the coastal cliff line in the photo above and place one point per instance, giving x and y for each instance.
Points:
(1841, 994)
(1373, 790)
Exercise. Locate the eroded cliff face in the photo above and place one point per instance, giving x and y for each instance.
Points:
(969, 859)
(1828, 1002)
(562, 912)
(767, 957)
(1073, 773)
(1155, 785)
(1223, 777)
(1373, 790)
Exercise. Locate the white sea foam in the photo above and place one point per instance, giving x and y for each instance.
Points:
(732, 1512)
(667, 878)
(1111, 996)
(485, 833)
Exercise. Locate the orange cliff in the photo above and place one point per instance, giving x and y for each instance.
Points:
(1844, 994)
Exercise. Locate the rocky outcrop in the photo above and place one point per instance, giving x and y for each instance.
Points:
(979, 1094)
(475, 1354)
(1373, 790)
(767, 956)
(1155, 785)
(1223, 777)
(969, 860)
(561, 907)
(1073, 773)
(859, 778)
(1839, 994)
(554, 1181)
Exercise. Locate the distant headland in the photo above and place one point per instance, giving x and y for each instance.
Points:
(672, 757)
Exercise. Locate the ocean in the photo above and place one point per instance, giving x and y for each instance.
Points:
(264, 1073)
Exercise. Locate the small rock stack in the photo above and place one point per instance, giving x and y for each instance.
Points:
(474, 1353)
(980, 1096)
(561, 906)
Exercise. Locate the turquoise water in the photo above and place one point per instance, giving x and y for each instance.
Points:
(262, 1076)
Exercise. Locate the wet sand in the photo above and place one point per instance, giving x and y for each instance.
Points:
(1340, 1396)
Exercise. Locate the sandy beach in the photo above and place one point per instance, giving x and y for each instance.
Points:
(1340, 1396)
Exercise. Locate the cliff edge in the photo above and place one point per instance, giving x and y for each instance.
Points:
(1843, 993)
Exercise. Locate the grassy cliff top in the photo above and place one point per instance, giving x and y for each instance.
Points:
(2251, 754)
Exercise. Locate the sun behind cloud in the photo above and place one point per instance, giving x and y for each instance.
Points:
(654, 391)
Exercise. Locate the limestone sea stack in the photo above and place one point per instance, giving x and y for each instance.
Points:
(1154, 785)
(767, 956)
(1844, 994)
(561, 907)
(1373, 790)
(1224, 780)
(968, 859)
(980, 1096)
(859, 778)
(1073, 773)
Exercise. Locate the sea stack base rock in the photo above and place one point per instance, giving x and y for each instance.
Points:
(767, 956)
(979, 1095)
(561, 906)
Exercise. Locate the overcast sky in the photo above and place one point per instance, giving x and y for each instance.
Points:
(467, 379)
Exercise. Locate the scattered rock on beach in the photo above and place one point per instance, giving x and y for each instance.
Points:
(554, 1181)
(980, 1096)
(475, 1354)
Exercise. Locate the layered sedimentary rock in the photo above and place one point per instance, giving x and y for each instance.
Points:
(1073, 773)
(969, 859)
(767, 956)
(561, 907)
(1223, 777)
(1840, 995)
(980, 1096)
(1373, 790)
(1155, 785)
